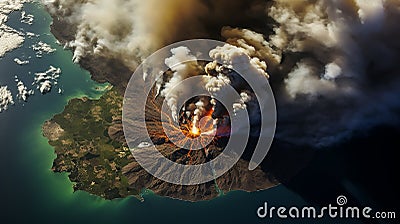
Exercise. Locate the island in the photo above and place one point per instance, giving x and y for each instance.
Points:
(89, 142)
(90, 146)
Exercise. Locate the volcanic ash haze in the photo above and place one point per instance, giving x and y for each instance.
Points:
(131, 29)
(332, 64)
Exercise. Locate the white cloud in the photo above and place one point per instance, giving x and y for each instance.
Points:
(6, 98)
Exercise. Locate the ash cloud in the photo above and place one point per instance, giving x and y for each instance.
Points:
(343, 76)
(333, 64)
(131, 30)
(218, 75)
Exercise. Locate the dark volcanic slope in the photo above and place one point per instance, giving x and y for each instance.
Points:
(237, 178)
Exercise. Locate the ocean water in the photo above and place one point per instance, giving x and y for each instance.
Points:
(31, 192)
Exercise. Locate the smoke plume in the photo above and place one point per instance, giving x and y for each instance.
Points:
(172, 89)
(343, 77)
(131, 30)
(333, 64)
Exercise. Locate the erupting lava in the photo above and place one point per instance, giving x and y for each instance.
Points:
(195, 131)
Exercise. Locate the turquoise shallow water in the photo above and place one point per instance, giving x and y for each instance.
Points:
(31, 192)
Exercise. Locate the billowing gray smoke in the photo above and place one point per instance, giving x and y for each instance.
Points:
(217, 78)
(332, 63)
(345, 77)
(130, 30)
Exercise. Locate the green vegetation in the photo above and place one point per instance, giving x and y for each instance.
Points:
(85, 149)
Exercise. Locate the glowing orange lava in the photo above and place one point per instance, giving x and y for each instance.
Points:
(195, 131)
(196, 135)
